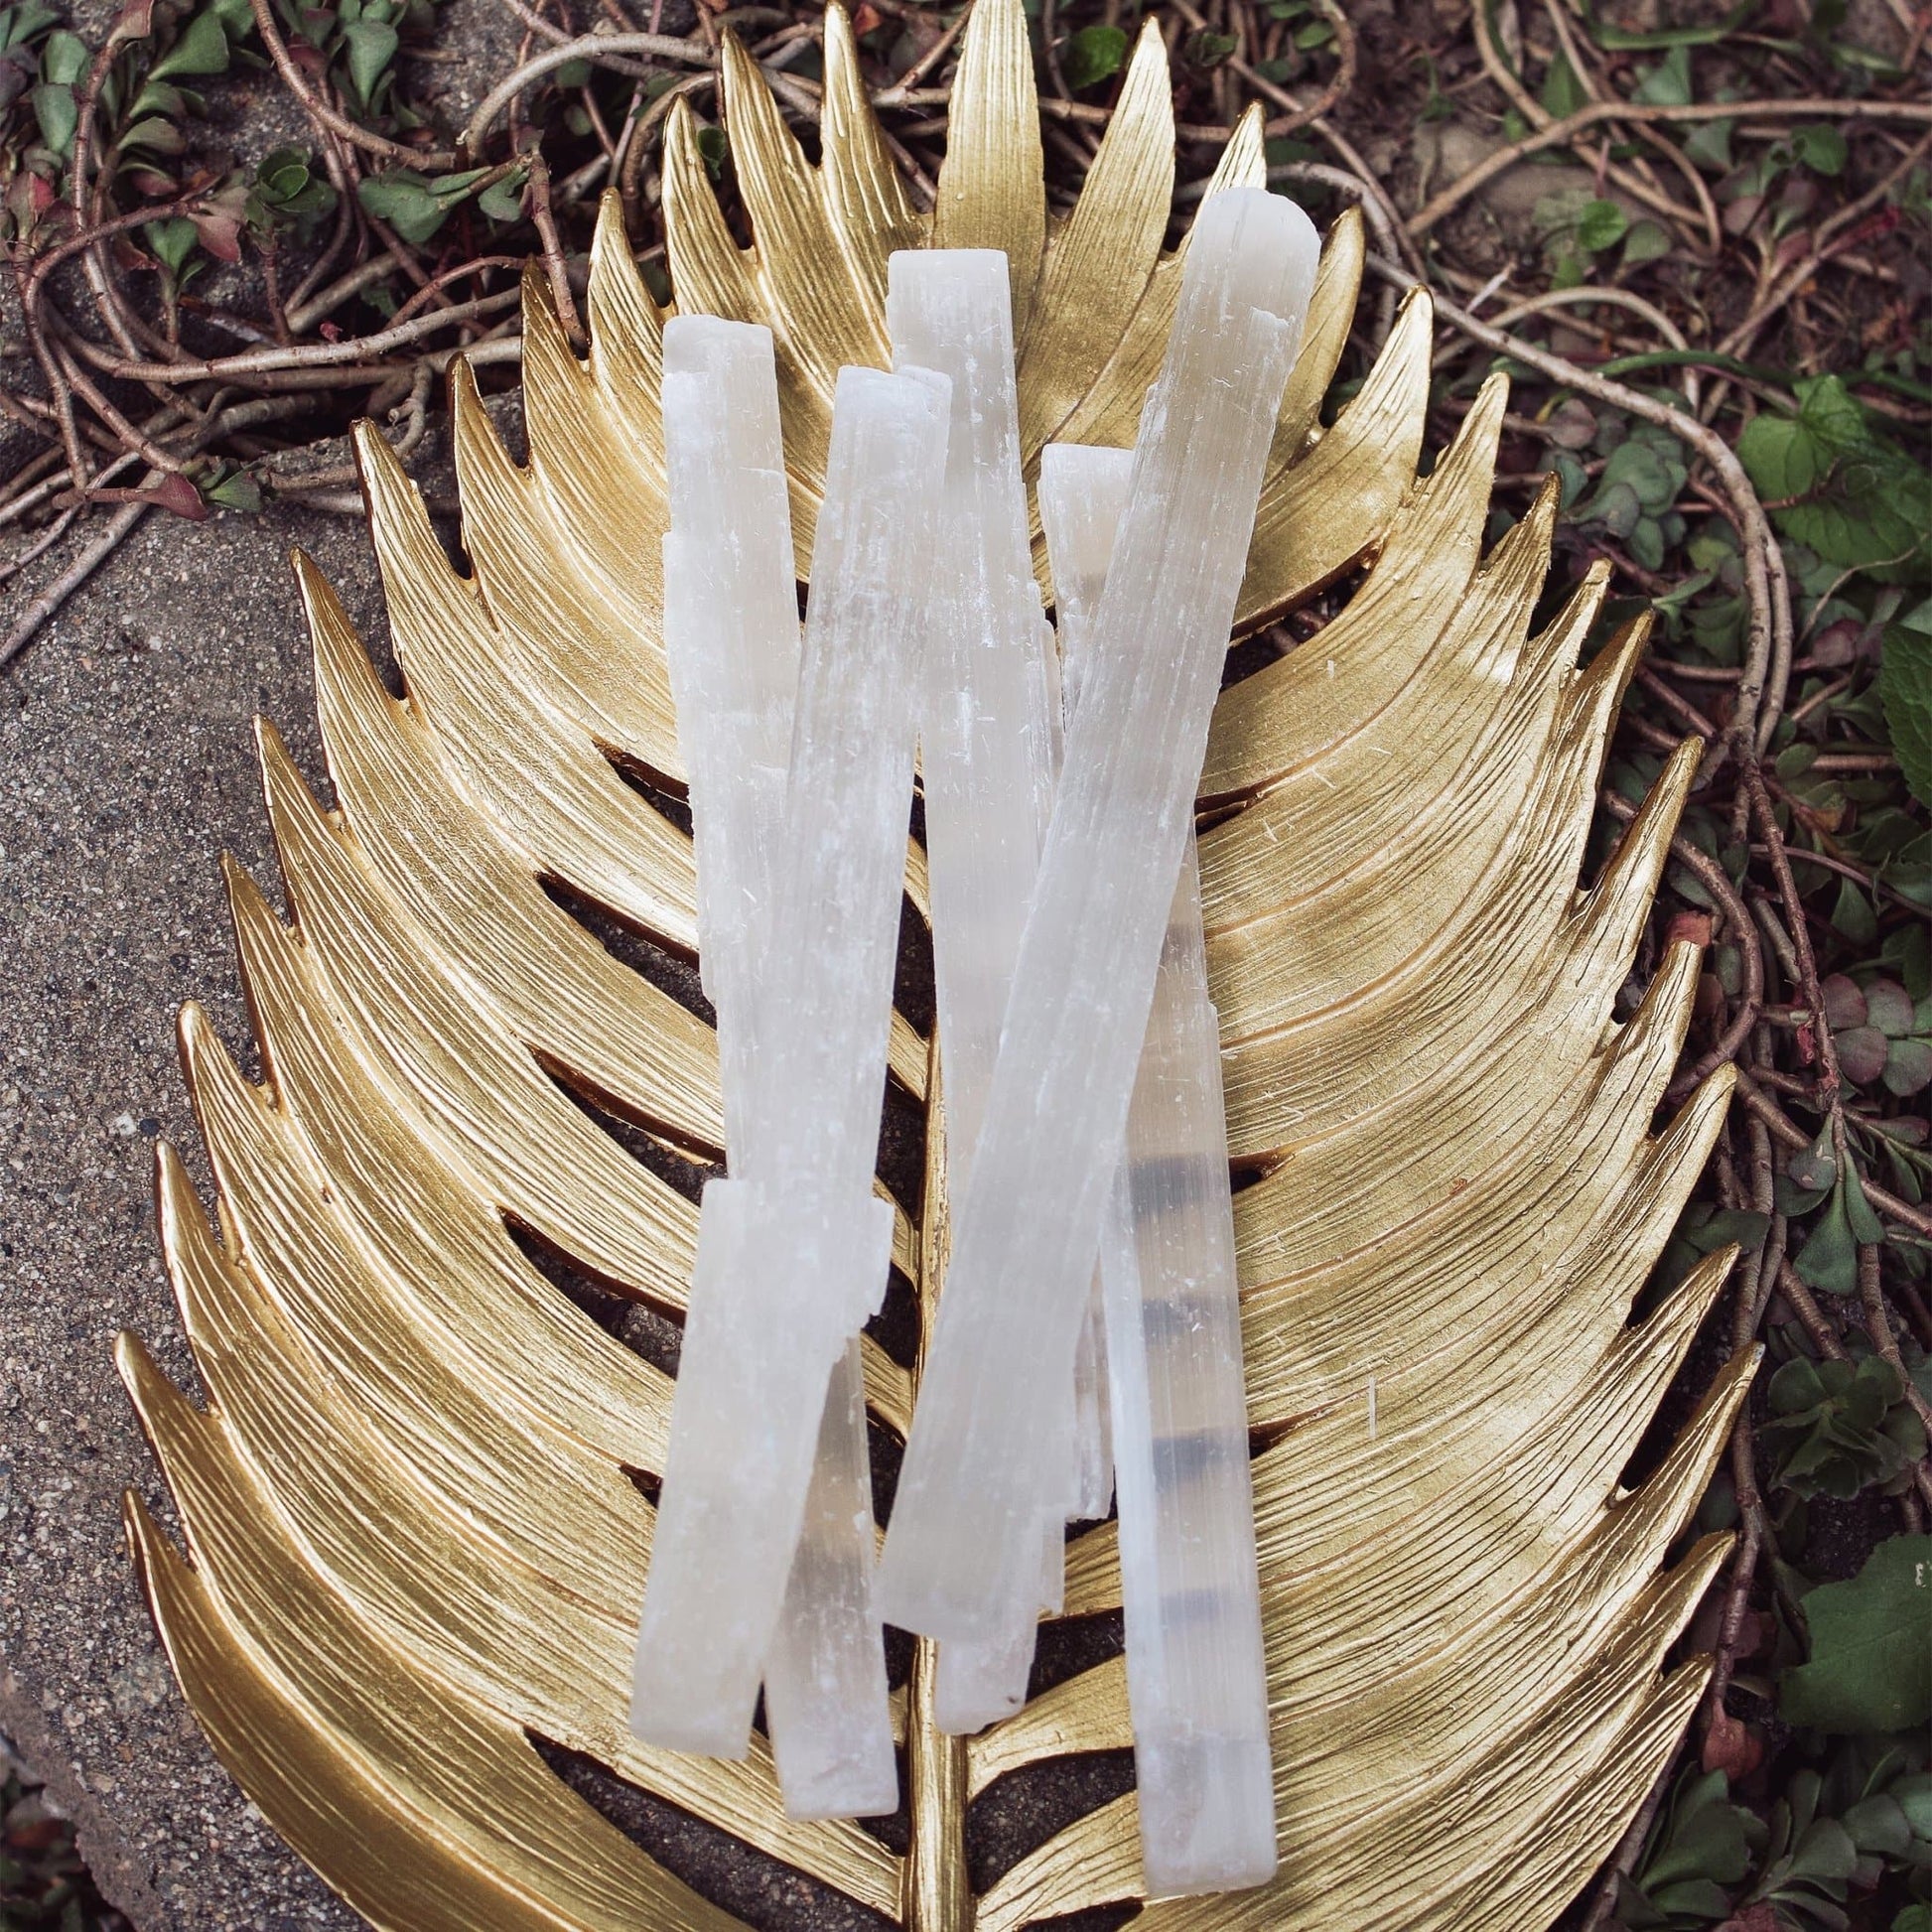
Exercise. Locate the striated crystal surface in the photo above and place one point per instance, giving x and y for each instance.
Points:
(731, 638)
(988, 753)
(1093, 1423)
(731, 630)
(826, 1699)
(792, 1259)
(964, 1536)
(1196, 1678)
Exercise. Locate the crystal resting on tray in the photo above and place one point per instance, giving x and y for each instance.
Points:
(962, 1548)
(1196, 1676)
(731, 635)
(1079, 1047)
(988, 751)
(792, 1259)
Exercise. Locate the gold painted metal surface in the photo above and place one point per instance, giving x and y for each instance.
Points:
(413, 1544)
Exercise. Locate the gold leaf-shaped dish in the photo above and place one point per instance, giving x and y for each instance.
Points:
(415, 1540)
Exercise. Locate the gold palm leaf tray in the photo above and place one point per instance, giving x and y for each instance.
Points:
(415, 1544)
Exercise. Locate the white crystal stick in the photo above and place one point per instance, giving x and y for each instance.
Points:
(964, 1528)
(792, 1261)
(988, 749)
(827, 1704)
(731, 632)
(731, 638)
(1196, 1676)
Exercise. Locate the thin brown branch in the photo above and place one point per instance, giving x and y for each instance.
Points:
(1768, 660)
(1641, 114)
(325, 118)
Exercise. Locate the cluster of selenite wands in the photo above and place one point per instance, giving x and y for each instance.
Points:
(1088, 1336)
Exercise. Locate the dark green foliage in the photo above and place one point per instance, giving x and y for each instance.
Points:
(1839, 485)
(1870, 1654)
(1093, 54)
(1838, 1427)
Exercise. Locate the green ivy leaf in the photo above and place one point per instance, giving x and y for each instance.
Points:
(1206, 50)
(55, 110)
(19, 25)
(201, 49)
(1093, 54)
(1870, 1662)
(1865, 1226)
(1852, 914)
(237, 491)
(1668, 83)
(1908, 1067)
(65, 58)
(1878, 1824)
(504, 201)
(1829, 1260)
(156, 135)
(1820, 148)
(171, 242)
(1647, 242)
(414, 204)
(1905, 691)
(157, 98)
(1703, 1844)
(1619, 40)
(1849, 493)
(371, 46)
(1562, 93)
(1837, 1427)
(1601, 224)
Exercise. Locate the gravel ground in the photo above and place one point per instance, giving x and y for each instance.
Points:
(126, 765)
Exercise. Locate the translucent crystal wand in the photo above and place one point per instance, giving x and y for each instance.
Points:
(731, 635)
(988, 751)
(792, 1260)
(1196, 1676)
(963, 1544)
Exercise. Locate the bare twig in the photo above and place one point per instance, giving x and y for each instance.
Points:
(596, 47)
(1767, 661)
(325, 117)
(1561, 133)
(48, 604)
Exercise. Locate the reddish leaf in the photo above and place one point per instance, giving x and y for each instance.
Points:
(16, 73)
(1844, 1003)
(1837, 644)
(135, 22)
(1693, 926)
(1731, 1746)
(1861, 1053)
(37, 1834)
(1794, 248)
(865, 18)
(178, 495)
(1753, 1918)
(219, 233)
(1709, 1002)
